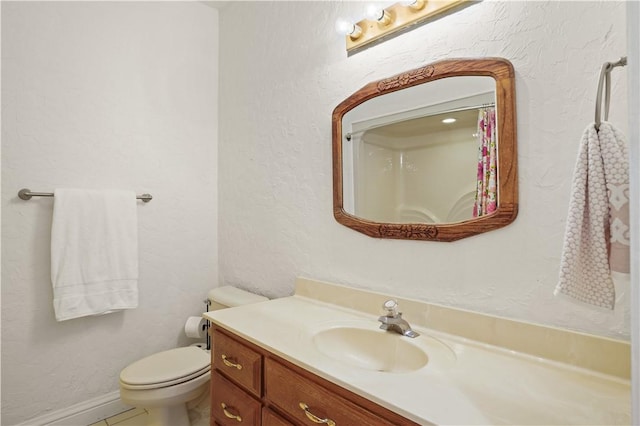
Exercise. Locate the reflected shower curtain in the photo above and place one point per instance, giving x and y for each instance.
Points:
(486, 191)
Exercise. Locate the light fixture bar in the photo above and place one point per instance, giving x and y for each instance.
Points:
(401, 15)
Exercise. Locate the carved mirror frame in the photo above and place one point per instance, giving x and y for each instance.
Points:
(502, 72)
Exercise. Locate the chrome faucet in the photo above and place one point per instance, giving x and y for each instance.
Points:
(392, 320)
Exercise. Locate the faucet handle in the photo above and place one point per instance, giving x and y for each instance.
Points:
(390, 307)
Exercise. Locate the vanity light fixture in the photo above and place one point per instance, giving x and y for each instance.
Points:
(399, 16)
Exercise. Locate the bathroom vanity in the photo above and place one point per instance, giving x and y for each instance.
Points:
(319, 357)
(254, 386)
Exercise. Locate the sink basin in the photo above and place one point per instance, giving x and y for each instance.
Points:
(373, 349)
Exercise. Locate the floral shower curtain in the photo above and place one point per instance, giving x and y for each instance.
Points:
(486, 191)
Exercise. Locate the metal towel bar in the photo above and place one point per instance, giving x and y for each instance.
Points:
(26, 194)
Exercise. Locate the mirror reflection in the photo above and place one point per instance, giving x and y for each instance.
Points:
(427, 155)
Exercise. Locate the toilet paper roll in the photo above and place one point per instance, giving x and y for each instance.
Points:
(195, 327)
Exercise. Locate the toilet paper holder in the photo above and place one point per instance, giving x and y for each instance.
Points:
(207, 304)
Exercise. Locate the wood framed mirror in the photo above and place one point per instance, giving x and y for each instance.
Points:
(428, 154)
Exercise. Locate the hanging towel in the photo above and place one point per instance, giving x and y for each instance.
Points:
(596, 240)
(94, 252)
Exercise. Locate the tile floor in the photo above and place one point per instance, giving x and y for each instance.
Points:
(134, 417)
(198, 415)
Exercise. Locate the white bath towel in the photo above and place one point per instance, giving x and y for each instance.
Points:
(94, 252)
(596, 238)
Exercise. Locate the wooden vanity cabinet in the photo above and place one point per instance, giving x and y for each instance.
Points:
(231, 405)
(304, 400)
(270, 418)
(238, 362)
(250, 385)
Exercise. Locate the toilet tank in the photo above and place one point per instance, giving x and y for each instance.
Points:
(228, 297)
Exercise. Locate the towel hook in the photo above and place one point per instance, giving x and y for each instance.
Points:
(605, 78)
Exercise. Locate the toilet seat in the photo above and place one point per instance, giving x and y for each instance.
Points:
(166, 368)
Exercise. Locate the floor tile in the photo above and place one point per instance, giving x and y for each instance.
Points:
(139, 420)
(121, 418)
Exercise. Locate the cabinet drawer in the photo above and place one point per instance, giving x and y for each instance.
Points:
(230, 405)
(269, 418)
(238, 362)
(292, 392)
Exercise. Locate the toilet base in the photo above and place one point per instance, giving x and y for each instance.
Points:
(175, 415)
(166, 406)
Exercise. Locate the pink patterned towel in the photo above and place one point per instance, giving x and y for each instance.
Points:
(596, 239)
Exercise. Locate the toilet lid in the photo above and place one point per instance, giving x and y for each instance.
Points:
(165, 368)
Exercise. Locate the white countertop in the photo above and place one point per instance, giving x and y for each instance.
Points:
(468, 383)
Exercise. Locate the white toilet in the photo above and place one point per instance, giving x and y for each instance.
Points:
(163, 383)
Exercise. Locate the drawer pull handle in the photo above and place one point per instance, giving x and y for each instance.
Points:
(229, 414)
(229, 363)
(315, 418)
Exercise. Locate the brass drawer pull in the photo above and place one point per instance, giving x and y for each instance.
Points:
(315, 418)
(229, 414)
(229, 363)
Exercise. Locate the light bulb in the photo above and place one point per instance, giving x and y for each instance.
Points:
(374, 13)
(413, 4)
(449, 120)
(348, 29)
(377, 14)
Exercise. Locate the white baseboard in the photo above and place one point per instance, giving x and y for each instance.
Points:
(82, 414)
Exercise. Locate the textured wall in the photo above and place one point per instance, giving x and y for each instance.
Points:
(633, 34)
(100, 95)
(279, 85)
